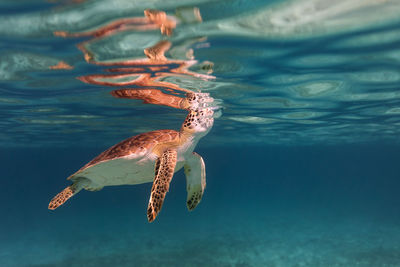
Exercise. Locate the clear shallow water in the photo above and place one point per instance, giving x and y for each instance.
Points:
(302, 166)
(266, 206)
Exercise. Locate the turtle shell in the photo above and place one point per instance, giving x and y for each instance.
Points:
(137, 145)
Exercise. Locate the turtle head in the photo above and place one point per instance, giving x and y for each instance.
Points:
(197, 101)
(198, 121)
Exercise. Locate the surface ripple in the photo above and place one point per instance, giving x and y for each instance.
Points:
(288, 80)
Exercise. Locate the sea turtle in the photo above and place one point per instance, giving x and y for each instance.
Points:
(151, 157)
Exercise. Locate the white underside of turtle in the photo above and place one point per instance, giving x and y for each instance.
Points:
(128, 170)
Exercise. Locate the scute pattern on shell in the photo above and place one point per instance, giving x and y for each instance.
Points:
(137, 144)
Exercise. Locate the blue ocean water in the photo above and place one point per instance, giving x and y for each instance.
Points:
(302, 165)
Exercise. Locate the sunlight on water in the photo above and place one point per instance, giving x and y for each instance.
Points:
(298, 71)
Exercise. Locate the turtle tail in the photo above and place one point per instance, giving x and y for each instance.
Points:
(64, 195)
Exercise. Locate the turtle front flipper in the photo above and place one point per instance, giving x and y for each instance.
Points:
(164, 170)
(195, 171)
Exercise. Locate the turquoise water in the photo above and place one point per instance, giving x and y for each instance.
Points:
(302, 165)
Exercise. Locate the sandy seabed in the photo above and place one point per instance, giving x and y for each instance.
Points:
(275, 239)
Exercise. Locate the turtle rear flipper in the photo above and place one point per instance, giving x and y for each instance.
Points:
(195, 171)
(164, 170)
(67, 193)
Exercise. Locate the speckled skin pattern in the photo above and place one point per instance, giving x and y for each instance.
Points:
(194, 200)
(164, 170)
(61, 197)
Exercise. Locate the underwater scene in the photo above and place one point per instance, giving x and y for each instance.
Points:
(200, 133)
